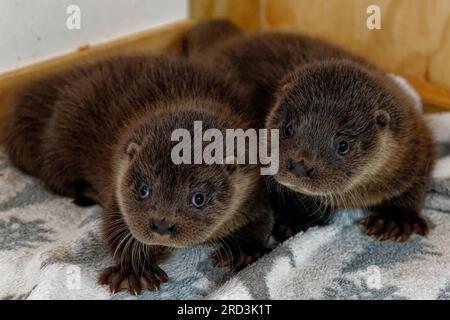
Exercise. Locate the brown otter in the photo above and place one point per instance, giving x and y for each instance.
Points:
(102, 133)
(350, 136)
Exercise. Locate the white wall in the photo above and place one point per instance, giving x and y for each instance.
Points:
(34, 30)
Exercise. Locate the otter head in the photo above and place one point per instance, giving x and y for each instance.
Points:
(333, 127)
(176, 205)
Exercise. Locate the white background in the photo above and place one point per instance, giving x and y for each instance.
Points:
(34, 30)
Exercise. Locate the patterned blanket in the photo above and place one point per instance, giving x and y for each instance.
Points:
(51, 249)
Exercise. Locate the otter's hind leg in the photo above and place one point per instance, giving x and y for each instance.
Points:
(26, 121)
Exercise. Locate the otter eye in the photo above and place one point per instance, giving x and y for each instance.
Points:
(343, 147)
(288, 132)
(198, 200)
(144, 191)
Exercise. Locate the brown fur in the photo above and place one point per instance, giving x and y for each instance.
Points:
(324, 94)
(216, 33)
(98, 131)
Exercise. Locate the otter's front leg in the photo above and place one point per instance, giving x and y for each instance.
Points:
(398, 218)
(133, 276)
(247, 244)
(136, 264)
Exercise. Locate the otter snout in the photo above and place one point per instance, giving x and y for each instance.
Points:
(161, 227)
(299, 168)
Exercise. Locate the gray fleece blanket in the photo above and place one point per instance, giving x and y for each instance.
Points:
(51, 249)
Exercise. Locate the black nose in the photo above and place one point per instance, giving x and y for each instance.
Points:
(161, 227)
(299, 169)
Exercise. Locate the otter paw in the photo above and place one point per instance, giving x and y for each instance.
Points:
(119, 280)
(400, 229)
(236, 260)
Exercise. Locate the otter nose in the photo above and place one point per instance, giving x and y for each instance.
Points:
(161, 227)
(299, 169)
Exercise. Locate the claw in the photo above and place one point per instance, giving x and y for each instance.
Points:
(118, 281)
(398, 228)
(362, 221)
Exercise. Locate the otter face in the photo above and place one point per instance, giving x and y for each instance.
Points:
(173, 205)
(332, 122)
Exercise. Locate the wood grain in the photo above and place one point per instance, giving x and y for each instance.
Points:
(436, 98)
(414, 39)
(247, 14)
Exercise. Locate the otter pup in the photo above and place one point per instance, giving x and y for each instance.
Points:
(101, 133)
(350, 136)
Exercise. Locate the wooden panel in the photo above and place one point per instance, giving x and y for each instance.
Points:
(436, 98)
(159, 40)
(414, 39)
(245, 13)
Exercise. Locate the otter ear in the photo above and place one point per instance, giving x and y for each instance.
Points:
(132, 149)
(382, 118)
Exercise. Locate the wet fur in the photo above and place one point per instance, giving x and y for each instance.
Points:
(73, 131)
(285, 75)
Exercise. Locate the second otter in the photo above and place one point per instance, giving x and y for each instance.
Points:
(350, 136)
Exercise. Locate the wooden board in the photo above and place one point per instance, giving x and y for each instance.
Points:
(436, 98)
(164, 39)
(245, 13)
(414, 40)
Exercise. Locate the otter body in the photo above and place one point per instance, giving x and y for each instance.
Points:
(350, 136)
(101, 133)
(258, 62)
